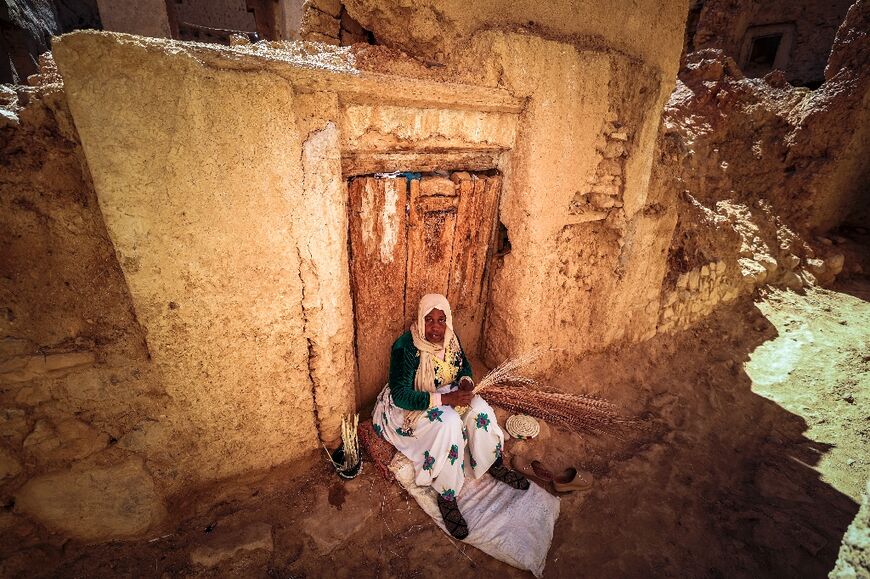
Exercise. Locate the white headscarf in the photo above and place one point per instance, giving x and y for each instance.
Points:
(424, 380)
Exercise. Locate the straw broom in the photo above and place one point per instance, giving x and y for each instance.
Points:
(504, 386)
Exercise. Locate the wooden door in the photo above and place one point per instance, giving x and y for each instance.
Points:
(410, 237)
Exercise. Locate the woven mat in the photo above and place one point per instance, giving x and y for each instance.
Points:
(379, 450)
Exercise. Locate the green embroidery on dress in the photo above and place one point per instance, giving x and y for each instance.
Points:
(434, 414)
(453, 454)
(428, 461)
(482, 421)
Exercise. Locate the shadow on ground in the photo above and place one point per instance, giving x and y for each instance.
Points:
(747, 474)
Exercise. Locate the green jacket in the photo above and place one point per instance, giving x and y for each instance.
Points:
(404, 360)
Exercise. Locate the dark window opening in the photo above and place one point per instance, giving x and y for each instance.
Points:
(763, 51)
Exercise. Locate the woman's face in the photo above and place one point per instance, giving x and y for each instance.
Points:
(436, 324)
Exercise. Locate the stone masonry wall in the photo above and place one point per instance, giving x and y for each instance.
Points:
(77, 391)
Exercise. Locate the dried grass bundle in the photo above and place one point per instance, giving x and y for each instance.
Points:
(506, 372)
(350, 439)
(579, 413)
(349, 443)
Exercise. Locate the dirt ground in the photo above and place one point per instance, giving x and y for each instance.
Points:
(754, 468)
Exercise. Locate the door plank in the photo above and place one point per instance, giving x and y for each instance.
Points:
(378, 260)
(478, 197)
(430, 240)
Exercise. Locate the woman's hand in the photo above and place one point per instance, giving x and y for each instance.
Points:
(466, 383)
(457, 398)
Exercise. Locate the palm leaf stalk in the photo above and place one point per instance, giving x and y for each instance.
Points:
(504, 386)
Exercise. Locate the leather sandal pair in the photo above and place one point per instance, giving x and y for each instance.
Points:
(565, 482)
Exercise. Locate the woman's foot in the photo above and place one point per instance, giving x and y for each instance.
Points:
(453, 519)
(509, 477)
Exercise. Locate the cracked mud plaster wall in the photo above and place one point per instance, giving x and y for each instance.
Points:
(220, 241)
(588, 248)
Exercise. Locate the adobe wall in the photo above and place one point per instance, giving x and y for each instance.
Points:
(145, 17)
(77, 391)
(219, 175)
(588, 247)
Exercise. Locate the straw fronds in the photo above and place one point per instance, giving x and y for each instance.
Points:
(579, 413)
(349, 442)
(507, 372)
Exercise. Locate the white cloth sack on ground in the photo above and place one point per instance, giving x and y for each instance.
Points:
(508, 524)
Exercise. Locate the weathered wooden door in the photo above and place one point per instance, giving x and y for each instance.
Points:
(410, 237)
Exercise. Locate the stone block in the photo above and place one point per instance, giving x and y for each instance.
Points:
(15, 347)
(314, 20)
(22, 368)
(766, 261)
(705, 270)
(602, 200)
(9, 465)
(694, 280)
(13, 425)
(816, 266)
(614, 150)
(620, 136)
(751, 271)
(331, 7)
(789, 261)
(42, 440)
(223, 545)
(94, 504)
(68, 360)
(69, 440)
(25, 368)
(683, 281)
(605, 189)
(33, 394)
(835, 263)
(792, 281)
(610, 167)
(322, 38)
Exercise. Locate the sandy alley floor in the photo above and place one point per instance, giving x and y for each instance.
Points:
(754, 469)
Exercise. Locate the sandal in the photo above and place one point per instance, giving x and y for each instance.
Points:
(532, 468)
(509, 477)
(453, 519)
(573, 480)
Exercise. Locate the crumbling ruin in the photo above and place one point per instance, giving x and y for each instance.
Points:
(208, 244)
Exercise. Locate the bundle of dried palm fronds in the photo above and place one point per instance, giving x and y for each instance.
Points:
(581, 413)
(506, 372)
(349, 444)
(350, 440)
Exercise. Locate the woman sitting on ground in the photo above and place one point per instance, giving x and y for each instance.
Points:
(430, 378)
